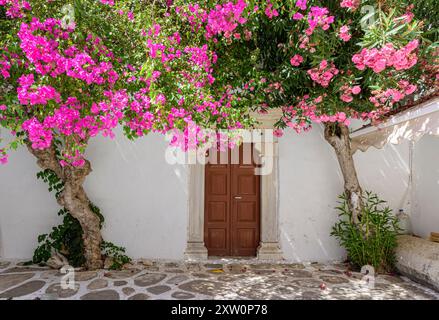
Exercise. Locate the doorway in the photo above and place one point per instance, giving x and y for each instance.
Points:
(232, 203)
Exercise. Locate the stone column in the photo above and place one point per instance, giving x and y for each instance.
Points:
(269, 248)
(195, 249)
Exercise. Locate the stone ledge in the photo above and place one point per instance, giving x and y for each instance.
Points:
(418, 259)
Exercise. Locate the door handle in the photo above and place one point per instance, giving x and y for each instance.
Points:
(238, 198)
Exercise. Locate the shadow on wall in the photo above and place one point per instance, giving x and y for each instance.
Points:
(386, 172)
(425, 207)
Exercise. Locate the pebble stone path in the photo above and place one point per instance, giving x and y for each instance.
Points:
(220, 279)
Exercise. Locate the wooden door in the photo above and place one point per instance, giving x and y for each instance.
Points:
(232, 205)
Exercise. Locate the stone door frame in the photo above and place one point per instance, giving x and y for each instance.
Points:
(269, 247)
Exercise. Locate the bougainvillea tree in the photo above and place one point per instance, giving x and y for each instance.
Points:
(70, 72)
(323, 62)
(61, 85)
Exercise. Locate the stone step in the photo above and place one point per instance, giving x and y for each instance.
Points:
(418, 259)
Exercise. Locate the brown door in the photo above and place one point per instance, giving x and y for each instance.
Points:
(232, 205)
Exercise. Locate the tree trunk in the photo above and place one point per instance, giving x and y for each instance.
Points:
(75, 200)
(338, 137)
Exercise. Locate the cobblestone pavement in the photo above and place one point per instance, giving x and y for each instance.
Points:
(220, 279)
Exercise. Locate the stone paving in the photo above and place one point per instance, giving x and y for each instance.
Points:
(220, 279)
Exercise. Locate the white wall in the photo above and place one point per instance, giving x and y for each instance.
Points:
(27, 209)
(143, 199)
(425, 206)
(310, 181)
(386, 172)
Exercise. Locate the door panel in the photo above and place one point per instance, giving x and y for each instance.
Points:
(232, 206)
(217, 205)
(217, 240)
(246, 211)
(218, 183)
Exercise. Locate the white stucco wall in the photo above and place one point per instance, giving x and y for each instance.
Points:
(386, 172)
(425, 206)
(143, 199)
(26, 207)
(310, 181)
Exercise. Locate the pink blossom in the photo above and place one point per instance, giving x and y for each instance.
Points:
(356, 89)
(15, 8)
(344, 33)
(160, 99)
(278, 133)
(318, 17)
(346, 98)
(225, 18)
(3, 158)
(297, 16)
(108, 2)
(296, 60)
(301, 4)
(379, 59)
(348, 91)
(247, 34)
(40, 137)
(269, 11)
(324, 73)
(350, 4)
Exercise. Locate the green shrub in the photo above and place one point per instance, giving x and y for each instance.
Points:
(372, 240)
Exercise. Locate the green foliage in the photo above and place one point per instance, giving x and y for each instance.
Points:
(267, 55)
(50, 177)
(65, 239)
(116, 254)
(372, 240)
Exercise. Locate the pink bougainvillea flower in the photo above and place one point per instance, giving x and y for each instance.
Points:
(301, 4)
(297, 16)
(270, 12)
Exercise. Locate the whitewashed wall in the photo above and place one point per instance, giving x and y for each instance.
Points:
(386, 172)
(425, 206)
(26, 207)
(144, 199)
(310, 181)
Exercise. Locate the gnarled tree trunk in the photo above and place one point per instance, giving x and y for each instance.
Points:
(74, 199)
(338, 137)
